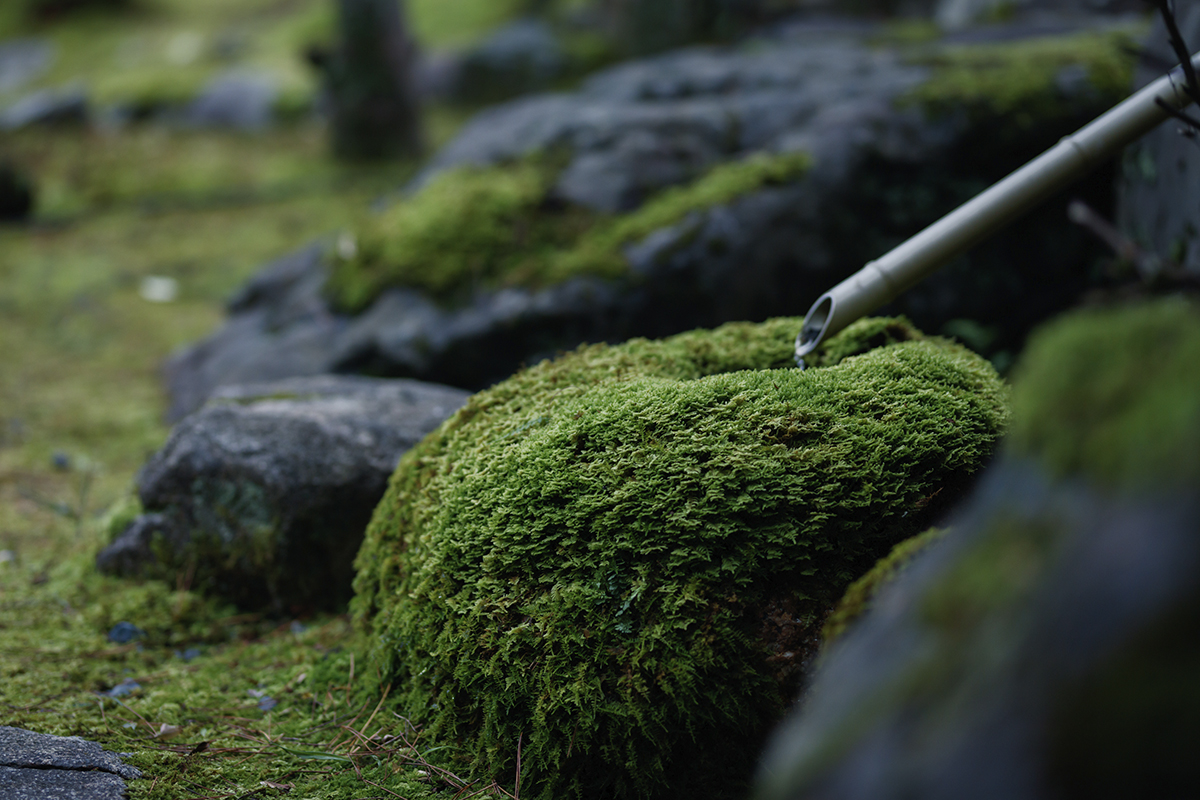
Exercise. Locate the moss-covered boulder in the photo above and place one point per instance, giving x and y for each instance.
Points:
(609, 565)
(473, 229)
(694, 188)
(1046, 646)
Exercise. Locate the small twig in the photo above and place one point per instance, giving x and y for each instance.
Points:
(349, 725)
(517, 788)
(377, 786)
(127, 708)
(367, 725)
(1192, 123)
(62, 509)
(1149, 266)
(1180, 47)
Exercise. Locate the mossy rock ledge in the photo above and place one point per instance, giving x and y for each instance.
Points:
(610, 565)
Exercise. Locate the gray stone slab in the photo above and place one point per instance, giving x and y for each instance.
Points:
(22, 748)
(59, 784)
(37, 766)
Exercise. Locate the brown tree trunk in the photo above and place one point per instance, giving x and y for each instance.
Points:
(374, 103)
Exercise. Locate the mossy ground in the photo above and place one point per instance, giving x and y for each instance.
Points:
(476, 228)
(81, 408)
(583, 558)
(163, 51)
(81, 350)
(253, 706)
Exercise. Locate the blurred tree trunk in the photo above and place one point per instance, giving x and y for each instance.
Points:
(375, 113)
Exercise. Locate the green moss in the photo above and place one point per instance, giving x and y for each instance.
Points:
(55, 663)
(859, 337)
(582, 558)
(860, 594)
(1114, 395)
(1017, 80)
(599, 250)
(482, 227)
(468, 226)
(119, 515)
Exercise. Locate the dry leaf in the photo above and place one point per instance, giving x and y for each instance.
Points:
(167, 731)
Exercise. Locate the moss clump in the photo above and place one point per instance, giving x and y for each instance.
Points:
(862, 592)
(1019, 80)
(581, 562)
(1114, 395)
(483, 227)
(468, 226)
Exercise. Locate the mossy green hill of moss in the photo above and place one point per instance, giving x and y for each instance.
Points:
(588, 563)
(486, 227)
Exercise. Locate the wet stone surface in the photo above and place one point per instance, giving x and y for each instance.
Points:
(37, 766)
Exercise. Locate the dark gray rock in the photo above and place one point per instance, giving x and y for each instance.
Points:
(22, 60)
(1159, 192)
(521, 57)
(882, 170)
(436, 74)
(978, 671)
(26, 749)
(263, 495)
(236, 99)
(279, 327)
(37, 766)
(59, 784)
(132, 550)
(641, 126)
(65, 106)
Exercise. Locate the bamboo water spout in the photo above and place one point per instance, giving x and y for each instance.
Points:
(883, 279)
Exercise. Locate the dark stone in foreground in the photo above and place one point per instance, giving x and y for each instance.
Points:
(263, 495)
(37, 766)
(1046, 648)
(59, 784)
